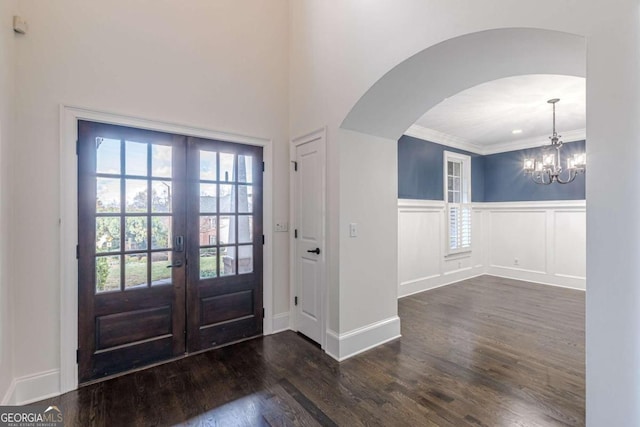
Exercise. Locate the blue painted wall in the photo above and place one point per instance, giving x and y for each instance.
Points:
(505, 181)
(494, 178)
(420, 170)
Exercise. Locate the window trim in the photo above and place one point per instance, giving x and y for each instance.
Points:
(465, 179)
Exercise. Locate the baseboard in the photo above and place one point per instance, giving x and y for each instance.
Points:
(420, 285)
(538, 277)
(8, 396)
(349, 344)
(281, 322)
(32, 388)
(332, 347)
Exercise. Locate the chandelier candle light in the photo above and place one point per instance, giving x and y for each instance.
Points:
(549, 169)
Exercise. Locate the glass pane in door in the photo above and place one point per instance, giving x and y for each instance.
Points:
(108, 156)
(161, 161)
(136, 158)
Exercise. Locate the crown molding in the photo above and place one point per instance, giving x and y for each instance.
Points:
(442, 138)
(569, 136)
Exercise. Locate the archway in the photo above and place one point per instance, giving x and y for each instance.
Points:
(417, 84)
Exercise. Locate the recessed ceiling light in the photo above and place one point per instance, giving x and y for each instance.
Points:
(516, 131)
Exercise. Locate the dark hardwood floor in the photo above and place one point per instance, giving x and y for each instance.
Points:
(483, 352)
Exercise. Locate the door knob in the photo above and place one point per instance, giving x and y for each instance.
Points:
(176, 264)
(315, 251)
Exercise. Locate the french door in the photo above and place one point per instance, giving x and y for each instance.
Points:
(169, 246)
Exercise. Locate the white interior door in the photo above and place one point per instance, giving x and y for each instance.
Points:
(309, 240)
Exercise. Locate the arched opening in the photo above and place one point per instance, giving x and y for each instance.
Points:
(417, 84)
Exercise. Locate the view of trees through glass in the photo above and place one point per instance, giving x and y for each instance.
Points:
(134, 214)
(133, 242)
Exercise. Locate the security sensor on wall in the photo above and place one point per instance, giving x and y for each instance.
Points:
(20, 25)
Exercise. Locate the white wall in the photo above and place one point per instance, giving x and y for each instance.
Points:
(7, 107)
(543, 242)
(367, 199)
(217, 65)
(346, 47)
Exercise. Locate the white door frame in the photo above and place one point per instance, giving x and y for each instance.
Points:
(321, 136)
(69, 116)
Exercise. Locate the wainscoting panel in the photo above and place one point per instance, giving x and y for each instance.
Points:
(517, 240)
(421, 232)
(421, 229)
(570, 244)
(422, 263)
(542, 242)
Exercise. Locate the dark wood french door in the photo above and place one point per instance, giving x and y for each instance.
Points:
(224, 295)
(169, 246)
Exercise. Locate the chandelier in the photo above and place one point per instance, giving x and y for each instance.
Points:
(548, 169)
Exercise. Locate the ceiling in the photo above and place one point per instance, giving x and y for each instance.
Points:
(486, 115)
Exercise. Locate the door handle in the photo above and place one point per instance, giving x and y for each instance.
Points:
(315, 251)
(176, 264)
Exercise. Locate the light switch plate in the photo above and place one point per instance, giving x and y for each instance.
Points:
(353, 230)
(281, 226)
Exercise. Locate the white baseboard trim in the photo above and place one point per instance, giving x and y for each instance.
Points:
(540, 278)
(32, 388)
(8, 396)
(281, 322)
(332, 347)
(348, 344)
(576, 284)
(416, 286)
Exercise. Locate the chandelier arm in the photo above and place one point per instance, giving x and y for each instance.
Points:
(534, 177)
(550, 176)
(572, 176)
(539, 178)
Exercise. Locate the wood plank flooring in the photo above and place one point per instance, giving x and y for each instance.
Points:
(483, 352)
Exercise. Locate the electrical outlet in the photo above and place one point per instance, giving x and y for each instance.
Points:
(516, 261)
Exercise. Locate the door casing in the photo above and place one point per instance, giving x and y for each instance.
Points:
(321, 136)
(69, 117)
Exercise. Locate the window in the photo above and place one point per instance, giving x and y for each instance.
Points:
(457, 188)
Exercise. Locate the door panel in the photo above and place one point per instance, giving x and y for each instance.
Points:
(117, 329)
(309, 301)
(309, 246)
(131, 203)
(224, 291)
